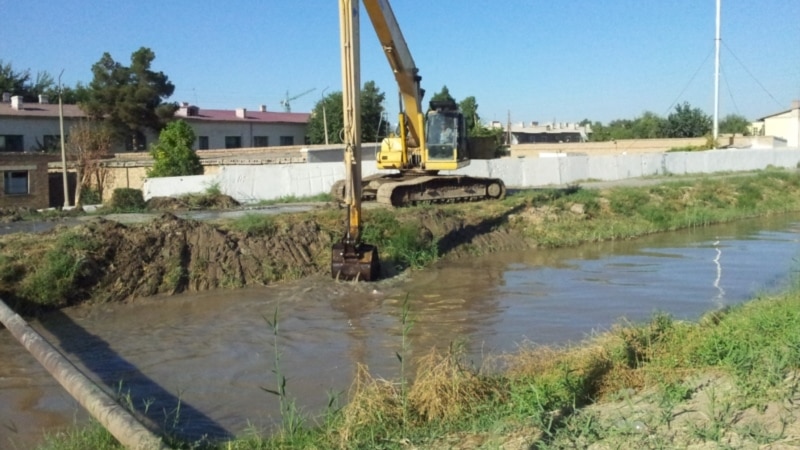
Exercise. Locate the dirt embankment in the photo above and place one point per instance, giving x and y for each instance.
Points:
(170, 255)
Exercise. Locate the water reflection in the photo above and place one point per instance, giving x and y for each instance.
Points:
(214, 351)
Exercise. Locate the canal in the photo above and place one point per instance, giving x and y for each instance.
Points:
(199, 362)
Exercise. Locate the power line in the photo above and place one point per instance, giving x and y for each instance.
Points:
(689, 83)
(753, 76)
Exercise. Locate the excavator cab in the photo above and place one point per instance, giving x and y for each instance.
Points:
(444, 136)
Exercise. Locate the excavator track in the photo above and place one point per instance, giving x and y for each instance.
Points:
(399, 191)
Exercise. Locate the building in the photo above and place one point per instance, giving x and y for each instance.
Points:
(30, 138)
(553, 132)
(34, 127)
(784, 125)
(26, 180)
(240, 128)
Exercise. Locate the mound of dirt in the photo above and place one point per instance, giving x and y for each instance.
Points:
(192, 202)
(171, 254)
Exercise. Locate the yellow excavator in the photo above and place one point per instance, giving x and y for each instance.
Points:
(426, 144)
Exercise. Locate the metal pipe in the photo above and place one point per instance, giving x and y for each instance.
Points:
(109, 413)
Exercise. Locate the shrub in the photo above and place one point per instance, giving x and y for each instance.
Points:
(127, 199)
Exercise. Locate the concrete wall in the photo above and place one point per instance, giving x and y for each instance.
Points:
(251, 183)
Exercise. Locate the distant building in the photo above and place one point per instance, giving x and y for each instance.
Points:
(34, 127)
(551, 132)
(240, 128)
(784, 125)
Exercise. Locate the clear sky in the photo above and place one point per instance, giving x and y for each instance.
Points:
(562, 60)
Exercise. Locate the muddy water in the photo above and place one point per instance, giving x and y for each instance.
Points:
(199, 362)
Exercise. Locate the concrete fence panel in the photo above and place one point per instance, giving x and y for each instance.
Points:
(250, 183)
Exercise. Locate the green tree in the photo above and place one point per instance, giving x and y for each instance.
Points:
(734, 124)
(24, 84)
(373, 127)
(329, 109)
(686, 121)
(173, 155)
(648, 126)
(469, 108)
(131, 98)
(443, 95)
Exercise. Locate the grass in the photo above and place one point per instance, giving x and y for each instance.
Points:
(54, 278)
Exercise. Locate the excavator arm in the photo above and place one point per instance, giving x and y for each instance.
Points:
(400, 60)
(352, 259)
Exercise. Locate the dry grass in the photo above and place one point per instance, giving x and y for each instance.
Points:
(445, 388)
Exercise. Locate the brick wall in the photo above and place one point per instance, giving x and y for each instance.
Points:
(19, 168)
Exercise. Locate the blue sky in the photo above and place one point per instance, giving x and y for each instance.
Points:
(536, 60)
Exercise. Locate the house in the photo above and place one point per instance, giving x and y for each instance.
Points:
(240, 128)
(552, 132)
(34, 127)
(30, 138)
(784, 125)
(25, 179)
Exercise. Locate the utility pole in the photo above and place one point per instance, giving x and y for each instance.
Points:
(63, 146)
(324, 116)
(716, 77)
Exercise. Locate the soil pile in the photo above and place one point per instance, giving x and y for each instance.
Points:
(192, 202)
(171, 254)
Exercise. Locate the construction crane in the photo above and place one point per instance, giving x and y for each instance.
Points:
(285, 102)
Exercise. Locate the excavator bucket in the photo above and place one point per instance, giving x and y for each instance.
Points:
(355, 262)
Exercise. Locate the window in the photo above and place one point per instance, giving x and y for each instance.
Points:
(202, 142)
(287, 140)
(233, 142)
(15, 182)
(11, 143)
(51, 142)
(136, 142)
(260, 141)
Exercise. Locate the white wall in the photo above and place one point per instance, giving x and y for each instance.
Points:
(249, 184)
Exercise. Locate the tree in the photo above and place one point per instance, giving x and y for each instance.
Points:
(330, 109)
(173, 155)
(469, 108)
(327, 110)
(24, 84)
(89, 143)
(130, 98)
(686, 121)
(734, 124)
(443, 95)
(649, 126)
(373, 127)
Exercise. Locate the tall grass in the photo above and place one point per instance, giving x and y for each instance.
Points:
(54, 280)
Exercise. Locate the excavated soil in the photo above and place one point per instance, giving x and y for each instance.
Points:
(170, 254)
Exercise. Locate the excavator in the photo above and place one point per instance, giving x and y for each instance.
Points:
(420, 149)
(426, 143)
